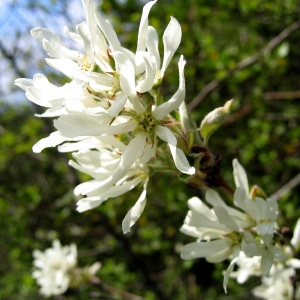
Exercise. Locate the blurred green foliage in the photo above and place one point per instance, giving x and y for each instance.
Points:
(36, 190)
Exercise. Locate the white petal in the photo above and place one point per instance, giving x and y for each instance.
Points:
(162, 110)
(213, 198)
(52, 112)
(118, 190)
(152, 45)
(23, 83)
(92, 142)
(84, 125)
(147, 80)
(230, 268)
(117, 105)
(73, 70)
(149, 153)
(179, 158)
(203, 249)
(240, 176)
(44, 93)
(74, 36)
(197, 205)
(171, 39)
(241, 198)
(220, 256)
(88, 203)
(143, 28)
(135, 212)
(266, 264)
(191, 231)
(53, 44)
(225, 218)
(295, 241)
(131, 153)
(85, 34)
(127, 73)
(271, 209)
(54, 139)
(89, 9)
(109, 32)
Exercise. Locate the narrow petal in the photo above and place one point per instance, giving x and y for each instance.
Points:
(179, 158)
(132, 152)
(147, 82)
(295, 241)
(53, 44)
(174, 103)
(24, 83)
(73, 70)
(225, 218)
(230, 268)
(171, 39)
(85, 34)
(127, 73)
(109, 32)
(117, 105)
(54, 139)
(92, 142)
(203, 249)
(143, 28)
(83, 125)
(88, 203)
(89, 9)
(213, 198)
(52, 112)
(135, 212)
(152, 45)
(240, 176)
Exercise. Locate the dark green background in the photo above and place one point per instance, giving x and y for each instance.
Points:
(36, 190)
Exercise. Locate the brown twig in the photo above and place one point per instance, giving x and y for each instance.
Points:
(281, 95)
(245, 63)
(107, 288)
(286, 188)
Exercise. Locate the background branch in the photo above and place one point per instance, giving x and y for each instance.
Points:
(286, 188)
(245, 63)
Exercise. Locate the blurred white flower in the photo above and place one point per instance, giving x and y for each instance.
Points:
(246, 267)
(52, 268)
(278, 286)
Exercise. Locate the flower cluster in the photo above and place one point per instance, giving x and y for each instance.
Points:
(111, 114)
(281, 282)
(55, 269)
(225, 232)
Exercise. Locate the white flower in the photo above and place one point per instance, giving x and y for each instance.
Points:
(113, 175)
(246, 267)
(53, 267)
(263, 212)
(147, 126)
(104, 105)
(217, 230)
(225, 232)
(277, 286)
